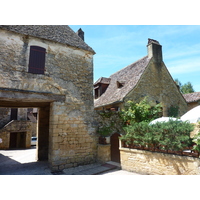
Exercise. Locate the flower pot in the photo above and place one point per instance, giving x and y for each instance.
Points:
(102, 140)
(108, 140)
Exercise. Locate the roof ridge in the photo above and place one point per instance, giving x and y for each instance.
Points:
(58, 33)
(192, 93)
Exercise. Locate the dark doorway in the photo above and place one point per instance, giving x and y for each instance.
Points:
(18, 140)
(13, 114)
(115, 153)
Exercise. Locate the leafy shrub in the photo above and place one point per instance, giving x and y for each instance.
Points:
(104, 131)
(196, 140)
(172, 135)
(173, 111)
(142, 111)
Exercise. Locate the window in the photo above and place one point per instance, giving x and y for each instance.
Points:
(120, 84)
(13, 115)
(100, 89)
(37, 60)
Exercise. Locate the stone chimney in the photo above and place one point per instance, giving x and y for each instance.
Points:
(80, 33)
(154, 50)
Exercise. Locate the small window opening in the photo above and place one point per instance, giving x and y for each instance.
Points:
(37, 60)
(120, 84)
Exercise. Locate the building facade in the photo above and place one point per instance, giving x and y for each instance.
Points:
(147, 77)
(51, 68)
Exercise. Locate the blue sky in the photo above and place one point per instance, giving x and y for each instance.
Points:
(117, 46)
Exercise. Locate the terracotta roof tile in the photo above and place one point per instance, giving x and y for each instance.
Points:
(58, 33)
(192, 97)
(129, 76)
(102, 80)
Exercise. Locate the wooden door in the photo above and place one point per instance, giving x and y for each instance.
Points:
(13, 140)
(17, 140)
(115, 153)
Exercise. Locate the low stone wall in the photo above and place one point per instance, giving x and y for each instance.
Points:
(103, 153)
(154, 163)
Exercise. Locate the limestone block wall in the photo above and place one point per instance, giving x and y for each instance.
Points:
(4, 116)
(103, 153)
(72, 140)
(157, 83)
(68, 72)
(15, 126)
(153, 163)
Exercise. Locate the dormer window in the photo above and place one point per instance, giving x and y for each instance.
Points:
(100, 86)
(120, 84)
(37, 60)
(100, 89)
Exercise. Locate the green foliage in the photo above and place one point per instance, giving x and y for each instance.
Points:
(142, 111)
(173, 111)
(196, 140)
(172, 135)
(104, 131)
(105, 113)
(185, 88)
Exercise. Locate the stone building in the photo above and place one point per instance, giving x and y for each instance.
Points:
(145, 77)
(51, 68)
(192, 99)
(17, 125)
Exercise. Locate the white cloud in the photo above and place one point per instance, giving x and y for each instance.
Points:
(182, 66)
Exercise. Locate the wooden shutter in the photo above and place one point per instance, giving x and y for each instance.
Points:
(13, 115)
(37, 60)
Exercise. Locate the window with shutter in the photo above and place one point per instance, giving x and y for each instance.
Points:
(13, 115)
(37, 60)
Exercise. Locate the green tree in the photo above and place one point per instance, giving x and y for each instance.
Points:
(185, 88)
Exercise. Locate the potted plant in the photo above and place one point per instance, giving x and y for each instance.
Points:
(104, 132)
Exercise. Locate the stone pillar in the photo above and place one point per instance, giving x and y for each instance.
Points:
(103, 154)
(43, 133)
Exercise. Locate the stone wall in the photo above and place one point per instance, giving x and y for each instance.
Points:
(153, 163)
(158, 85)
(72, 139)
(109, 118)
(15, 126)
(192, 105)
(103, 153)
(4, 116)
(72, 136)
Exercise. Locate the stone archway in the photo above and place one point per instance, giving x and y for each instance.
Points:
(13, 98)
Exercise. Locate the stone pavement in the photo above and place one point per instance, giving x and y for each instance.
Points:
(92, 169)
(23, 162)
(109, 168)
(41, 168)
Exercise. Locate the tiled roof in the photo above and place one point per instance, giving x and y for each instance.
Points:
(192, 97)
(58, 33)
(102, 80)
(129, 76)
